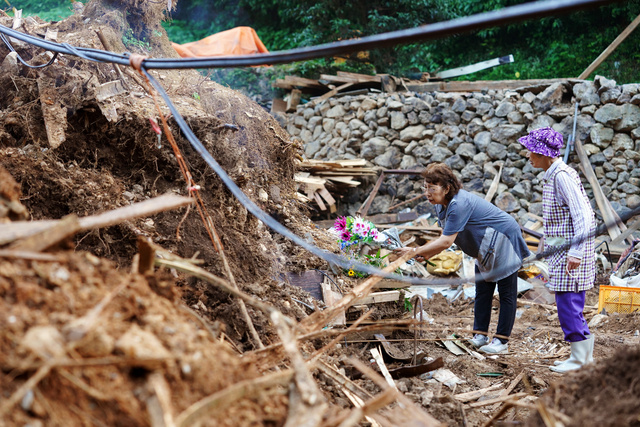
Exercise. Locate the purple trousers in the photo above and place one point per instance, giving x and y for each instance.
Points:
(570, 314)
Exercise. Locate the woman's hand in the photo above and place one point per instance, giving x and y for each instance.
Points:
(573, 263)
(404, 251)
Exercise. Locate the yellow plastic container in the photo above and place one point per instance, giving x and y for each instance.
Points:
(618, 299)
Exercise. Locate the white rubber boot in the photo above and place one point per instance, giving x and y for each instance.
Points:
(571, 358)
(590, 355)
(579, 354)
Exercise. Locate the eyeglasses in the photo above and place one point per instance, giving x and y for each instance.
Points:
(430, 189)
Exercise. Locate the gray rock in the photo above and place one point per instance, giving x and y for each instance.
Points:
(398, 120)
(536, 208)
(336, 112)
(481, 158)
(482, 140)
(459, 105)
(507, 202)
(475, 185)
(511, 176)
(496, 151)
(504, 109)
(440, 139)
(610, 96)
(357, 124)
(471, 171)
(601, 135)
(390, 159)
(515, 117)
(467, 116)
(475, 125)
(455, 162)
(374, 147)
(395, 105)
(522, 190)
(622, 141)
(609, 115)
(635, 100)
(412, 133)
(450, 118)
(630, 118)
(381, 204)
(408, 162)
(549, 97)
(440, 154)
(507, 133)
(629, 188)
(466, 150)
(312, 148)
(602, 83)
(483, 108)
(368, 104)
(541, 122)
(633, 201)
(598, 159)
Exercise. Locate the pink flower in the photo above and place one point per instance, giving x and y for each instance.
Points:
(340, 224)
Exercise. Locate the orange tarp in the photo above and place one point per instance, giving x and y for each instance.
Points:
(236, 41)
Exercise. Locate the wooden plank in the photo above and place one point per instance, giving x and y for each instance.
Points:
(391, 284)
(383, 368)
(476, 394)
(392, 218)
(109, 90)
(329, 94)
(608, 214)
(627, 233)
(53, 112)
(278, 106)
(59, 231)
(361, 77)
(468, 69)
(304, 82)
(311, 180)
(293, 100)
(379, 297)
(478, 86)
(21, 229)
(613, 46)
(497, 400)
(330, 298)
(344, 180)
(309, 281)
(494, 185)
(319, 201)
(354, 79)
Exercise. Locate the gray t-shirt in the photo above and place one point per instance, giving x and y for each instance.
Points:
(484, 232)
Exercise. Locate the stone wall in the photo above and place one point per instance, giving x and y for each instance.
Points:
(475, 133)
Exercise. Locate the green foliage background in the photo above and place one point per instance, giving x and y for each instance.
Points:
(561, 46)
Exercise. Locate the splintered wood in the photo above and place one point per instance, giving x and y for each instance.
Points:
(316, 175)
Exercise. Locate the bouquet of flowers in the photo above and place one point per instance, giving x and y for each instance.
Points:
(353, 234)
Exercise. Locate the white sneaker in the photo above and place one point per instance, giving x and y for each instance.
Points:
(496, 347)
(478, 340)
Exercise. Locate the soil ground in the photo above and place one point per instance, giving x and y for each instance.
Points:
(167, 339)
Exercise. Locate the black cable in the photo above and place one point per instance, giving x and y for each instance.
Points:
(476, 22)
(10, 46)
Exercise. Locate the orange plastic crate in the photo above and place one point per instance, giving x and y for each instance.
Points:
(617, 299)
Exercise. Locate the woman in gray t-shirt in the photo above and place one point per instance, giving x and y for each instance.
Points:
(487, 234)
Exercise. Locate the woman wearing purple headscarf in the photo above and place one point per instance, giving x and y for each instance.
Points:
(569, 225)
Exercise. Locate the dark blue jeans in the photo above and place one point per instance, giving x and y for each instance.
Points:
(508, 292)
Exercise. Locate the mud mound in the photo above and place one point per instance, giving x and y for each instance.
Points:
(77, 145)
(604, 394)
(137, 332)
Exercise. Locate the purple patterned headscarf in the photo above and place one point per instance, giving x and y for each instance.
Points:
(544, 141)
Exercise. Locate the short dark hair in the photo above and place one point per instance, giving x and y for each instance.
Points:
(442, 175)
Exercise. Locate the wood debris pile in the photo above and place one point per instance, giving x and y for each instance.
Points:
(339, 175)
